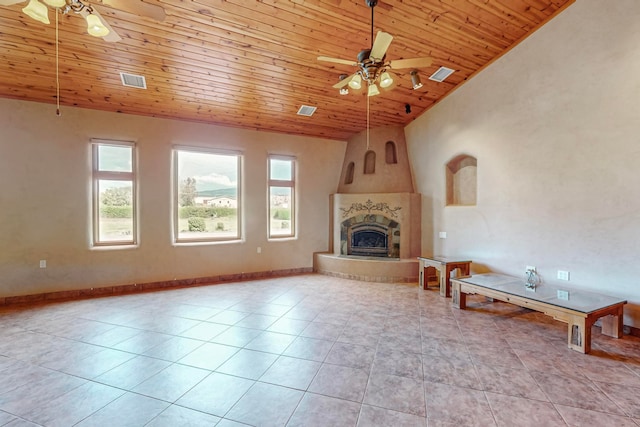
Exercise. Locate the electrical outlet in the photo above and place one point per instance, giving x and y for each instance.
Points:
(564, 295)
(43, 263)
(442, 234)
(259, 250)
(530, 268)
(563, 275)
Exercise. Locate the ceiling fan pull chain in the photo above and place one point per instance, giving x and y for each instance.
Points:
(368, 100)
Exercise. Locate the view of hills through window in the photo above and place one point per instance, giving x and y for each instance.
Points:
(207, 190)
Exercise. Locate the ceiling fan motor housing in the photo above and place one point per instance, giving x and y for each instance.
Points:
(370, 68)
(363, 56)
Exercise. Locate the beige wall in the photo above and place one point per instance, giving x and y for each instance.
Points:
(388, 177)
(555, 126)
(45, 201)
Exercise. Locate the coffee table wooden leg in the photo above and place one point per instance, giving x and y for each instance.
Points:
(459, 299)
(579, 334)
(612, 325)
(444, 280)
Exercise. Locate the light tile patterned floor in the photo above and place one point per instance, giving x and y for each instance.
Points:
(306, 350)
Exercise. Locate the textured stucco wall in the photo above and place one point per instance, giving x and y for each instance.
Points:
(388, 178)
(45, 200)
(555, 127)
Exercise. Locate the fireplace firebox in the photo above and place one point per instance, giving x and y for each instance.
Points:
(370, 236)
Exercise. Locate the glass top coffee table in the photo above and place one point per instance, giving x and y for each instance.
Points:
(579, 309)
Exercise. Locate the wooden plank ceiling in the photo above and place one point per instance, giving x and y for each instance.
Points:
(252, 64)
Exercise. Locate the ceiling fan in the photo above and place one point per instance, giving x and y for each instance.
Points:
(373, 66)
(97, 26)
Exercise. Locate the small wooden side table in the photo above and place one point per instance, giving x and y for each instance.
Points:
(443, 266)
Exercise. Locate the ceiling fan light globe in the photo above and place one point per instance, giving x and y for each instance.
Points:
(95, 27)
(386, 80)
(356, 82)
(37, 11)
(373, 90)
(56, 3)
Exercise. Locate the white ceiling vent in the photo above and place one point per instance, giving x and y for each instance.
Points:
(306, 110)
(133, 80)
(441, 74)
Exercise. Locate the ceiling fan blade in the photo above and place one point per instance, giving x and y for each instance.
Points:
(380, 46)
(342, 83)
(337, 61)
(410, 63)
(112, 36)
(10, 2)
(138, 7)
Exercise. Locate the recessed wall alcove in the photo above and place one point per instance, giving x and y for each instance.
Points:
(390, 153)
(348, 177)
(370, 162)
(462, 172)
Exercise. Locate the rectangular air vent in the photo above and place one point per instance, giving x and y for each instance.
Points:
(306, 110)
(441, 74)
(133, 80)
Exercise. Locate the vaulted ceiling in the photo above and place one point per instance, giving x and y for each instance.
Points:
(253, 64)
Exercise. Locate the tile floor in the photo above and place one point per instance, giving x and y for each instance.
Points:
(307, 350)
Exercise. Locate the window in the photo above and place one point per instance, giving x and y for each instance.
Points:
(281, 196)
(206, 195)
(114, 193)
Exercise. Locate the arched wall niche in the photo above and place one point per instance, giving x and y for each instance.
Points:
(390, 153)
(348, 178)
(462, 180)
(370, 162)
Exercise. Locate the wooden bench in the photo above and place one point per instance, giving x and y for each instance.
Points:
(579, 309)
(443, 266)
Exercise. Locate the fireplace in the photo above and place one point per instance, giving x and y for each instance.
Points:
(369, 241)
(375, 227)
(370, 235)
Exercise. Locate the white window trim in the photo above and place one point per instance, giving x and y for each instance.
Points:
(177, 241)
(96, 176)
(283, 183)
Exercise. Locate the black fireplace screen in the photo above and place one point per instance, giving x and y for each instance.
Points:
(370, 242)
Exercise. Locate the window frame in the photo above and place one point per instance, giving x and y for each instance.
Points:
(98, 175)
(175, 194)
(282, 183)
